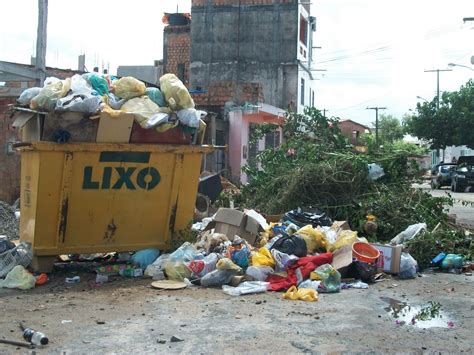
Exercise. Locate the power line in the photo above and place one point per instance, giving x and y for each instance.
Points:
(437, 82)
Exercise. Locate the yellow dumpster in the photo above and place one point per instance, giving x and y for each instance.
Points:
(102, 197)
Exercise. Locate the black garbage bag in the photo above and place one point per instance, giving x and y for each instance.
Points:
(291, 245)
(304, 216)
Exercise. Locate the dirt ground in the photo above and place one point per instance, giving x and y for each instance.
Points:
(128, 316)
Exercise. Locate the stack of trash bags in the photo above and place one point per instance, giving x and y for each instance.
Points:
(290, 258)
(92, 93)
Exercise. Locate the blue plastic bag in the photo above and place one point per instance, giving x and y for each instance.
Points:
(156, 96)
(145, 257)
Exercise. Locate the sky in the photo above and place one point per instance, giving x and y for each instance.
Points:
(374, 51)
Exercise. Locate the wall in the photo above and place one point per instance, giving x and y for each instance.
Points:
(250, 43)
(347, 127)
(176, 50)
(9, 162)
(149, 73)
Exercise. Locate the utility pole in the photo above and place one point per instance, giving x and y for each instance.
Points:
(376, 122)
(324, 112)
(437, 82)
(41, 41)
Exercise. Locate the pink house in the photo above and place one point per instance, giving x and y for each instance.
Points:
(241, 122)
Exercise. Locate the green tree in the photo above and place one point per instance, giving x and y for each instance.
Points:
(390, 129)
(451, 124)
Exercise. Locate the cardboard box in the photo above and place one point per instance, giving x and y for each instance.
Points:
(30, 125)
(389, 260)
(80, 127)
(233, 222)
(342, 257)
(341, 225)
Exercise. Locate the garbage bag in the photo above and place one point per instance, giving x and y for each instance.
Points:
(217, 278)
(98, 83)
(282, 260)
(304, 216)
(156, 96)
(79, 103)
(227, 264)
(204, 266)
(452, 261)
(176, 94)
(330, 278)
(259, 273)
(143, 109)
(375, 171)
(5, 244)
(302, 294)
(345, 237)
(263, 257)
(408, 266)
(364, 271)
(19, 278)
(156, 120)
(128, 87)
(53, 90)
(314, 285)
(246, 288)
(27, 95)
(241, 256)
(157, 268)
(145, 257)
(177, 270)
(409, 233)
(291, 245)
(80, 86)
(190, 117)
(314, 238)
(113, 101)
(185, 252)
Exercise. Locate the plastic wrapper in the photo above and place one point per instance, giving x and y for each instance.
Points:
(156, 96)
(177, 270)
(19, 278)
(311, 284)
(259, 273)
(176, 94)
(80, 86)
(156, 120)
(145, 257)
(27, 95)
(128, 87)
(190, 117)
(408, 267)
(345, 237)
(330, 278)
(246, 288)
(98, 83)
(202, 267)
(375, 171)
(302, 294)
(263, 257)
(282, 260)
(304, 216)
(157, 268)
(113, 101)
(409, 233)
(53, 90)
(79, 103)
(217, 278)
(314, 238)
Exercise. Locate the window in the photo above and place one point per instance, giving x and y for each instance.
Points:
(272, 139)
(303, 30)
(181, 72)
(302, 91)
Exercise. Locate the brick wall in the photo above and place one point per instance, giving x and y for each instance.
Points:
(198, 3)
(220, 92)
(9, 163)
(177, 50)
(347, 129)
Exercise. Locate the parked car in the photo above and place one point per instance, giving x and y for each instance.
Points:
(463, 176)
(441, 175)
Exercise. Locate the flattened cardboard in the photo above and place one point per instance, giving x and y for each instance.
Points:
(114, 129)
(30, 125)
(344, 225)
(342, 257)
(389, 260)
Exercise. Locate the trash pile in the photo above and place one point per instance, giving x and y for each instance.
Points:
(9, 224)
(91, 94)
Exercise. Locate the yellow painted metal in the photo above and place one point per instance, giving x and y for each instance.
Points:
(102, 197)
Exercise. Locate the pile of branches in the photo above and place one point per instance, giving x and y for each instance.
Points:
(315, 166)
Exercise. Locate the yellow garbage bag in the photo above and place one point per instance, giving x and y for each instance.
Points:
(128, 87)
(176, 94)
(263, 257)
(53, 90)
(227, 264)
(345, 237)
(302, 294)
(314, 238)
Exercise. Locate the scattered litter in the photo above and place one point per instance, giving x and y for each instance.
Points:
(73, 280)
(66, 321)
(246, 287)
(168, 285)
(19, 278)
(302, 294)
(175, 339)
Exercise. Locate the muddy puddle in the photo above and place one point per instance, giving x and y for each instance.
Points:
(429, 315)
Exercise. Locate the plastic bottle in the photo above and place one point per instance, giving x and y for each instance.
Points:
(34, 337)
